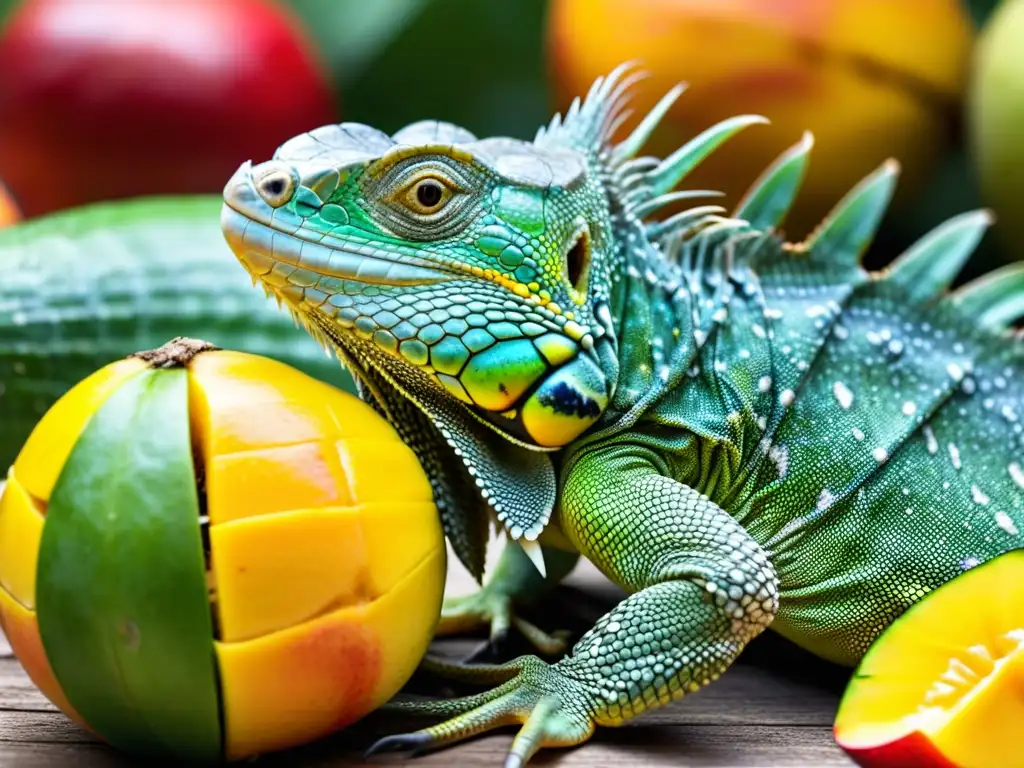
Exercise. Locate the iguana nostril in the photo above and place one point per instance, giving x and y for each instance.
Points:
(276, 188)
(274, 183)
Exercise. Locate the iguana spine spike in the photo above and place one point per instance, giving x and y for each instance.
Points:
(682, 221)
(993, 300)
(640, 135)
(846, 231)
(930, 265)
(771, 196)
(650, 206)
(677, 165)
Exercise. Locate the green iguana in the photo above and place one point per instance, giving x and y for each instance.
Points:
(740, 431)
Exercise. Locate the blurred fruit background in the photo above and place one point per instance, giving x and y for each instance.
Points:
(105, 99)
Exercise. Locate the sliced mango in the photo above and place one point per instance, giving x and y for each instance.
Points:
(942, 686)
(277, 479)
(47, 448)
(275, 571)
(325, 559)
(22, 631)
(383, 470)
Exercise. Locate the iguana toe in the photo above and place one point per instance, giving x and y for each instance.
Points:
(553, 709)
(493, 610)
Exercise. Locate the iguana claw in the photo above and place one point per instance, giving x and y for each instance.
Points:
(555, 710)
(515, 582)
(491, 608)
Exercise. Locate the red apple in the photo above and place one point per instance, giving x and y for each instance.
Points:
(117, 98)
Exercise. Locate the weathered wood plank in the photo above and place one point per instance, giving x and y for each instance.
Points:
(751, 716)
(49, 740)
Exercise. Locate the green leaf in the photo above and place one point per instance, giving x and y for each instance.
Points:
(82, 288)
(121, 590)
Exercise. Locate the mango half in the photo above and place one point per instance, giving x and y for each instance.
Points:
(206, 554)
(942, 685)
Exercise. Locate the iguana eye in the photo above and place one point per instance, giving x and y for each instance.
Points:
(426, 196)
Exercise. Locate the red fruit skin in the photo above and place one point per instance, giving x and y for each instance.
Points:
(911, 751)
(110, 99)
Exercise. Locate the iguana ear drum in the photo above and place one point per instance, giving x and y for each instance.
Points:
(569, 401)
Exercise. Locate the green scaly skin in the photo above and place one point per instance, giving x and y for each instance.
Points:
(739, 431)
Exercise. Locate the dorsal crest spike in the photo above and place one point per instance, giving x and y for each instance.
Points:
(676, 166)
(929, 266)
(586, 124)
(648, 207)
(771, 196)
(683, 221)
(994, 300)
(642, 133)
(846, 231)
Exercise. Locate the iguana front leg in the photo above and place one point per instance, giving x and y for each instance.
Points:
(702, 589)
(514, 583)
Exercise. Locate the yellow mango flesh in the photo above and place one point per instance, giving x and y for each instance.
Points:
(21, 527)
(307, 681)
(327, 554)
(44, 453)
(950, 670)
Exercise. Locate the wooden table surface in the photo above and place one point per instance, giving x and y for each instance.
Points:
(773, 707)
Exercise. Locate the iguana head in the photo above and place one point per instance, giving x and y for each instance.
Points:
(471, 269)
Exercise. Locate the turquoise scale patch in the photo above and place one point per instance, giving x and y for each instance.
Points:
(449, 355)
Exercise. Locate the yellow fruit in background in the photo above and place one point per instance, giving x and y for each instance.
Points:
(996, 120)
(872, 79)
(209, 554)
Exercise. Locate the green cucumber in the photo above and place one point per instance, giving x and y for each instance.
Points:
(82, 288)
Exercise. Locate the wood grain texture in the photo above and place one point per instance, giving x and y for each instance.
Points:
(773, 708)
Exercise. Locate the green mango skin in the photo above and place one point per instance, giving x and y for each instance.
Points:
(996, 120)
(121, 590)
